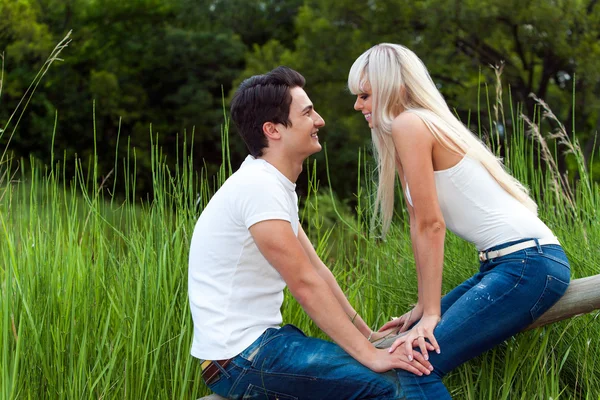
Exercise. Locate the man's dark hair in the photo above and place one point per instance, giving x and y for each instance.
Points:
(260, 99)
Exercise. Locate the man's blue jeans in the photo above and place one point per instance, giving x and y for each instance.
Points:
(286, 364)
(504, 297)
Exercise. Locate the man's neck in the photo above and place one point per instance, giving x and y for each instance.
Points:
(290, 168)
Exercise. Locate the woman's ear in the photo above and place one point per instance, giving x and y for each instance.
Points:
(404, 95)
(402, 100)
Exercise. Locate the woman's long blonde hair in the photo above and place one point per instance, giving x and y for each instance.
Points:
(399, 80)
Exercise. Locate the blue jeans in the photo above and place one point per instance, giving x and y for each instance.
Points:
(285, 364)
(504, 297)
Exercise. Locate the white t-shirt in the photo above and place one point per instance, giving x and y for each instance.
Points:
(479, 210)
(235, 294)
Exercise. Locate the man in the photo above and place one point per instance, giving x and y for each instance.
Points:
(248, 245)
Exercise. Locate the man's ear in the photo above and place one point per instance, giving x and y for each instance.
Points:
(271, 131)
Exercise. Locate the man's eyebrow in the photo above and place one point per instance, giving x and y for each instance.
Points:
(307, 108)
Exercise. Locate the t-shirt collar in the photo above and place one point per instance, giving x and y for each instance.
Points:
(286, 182)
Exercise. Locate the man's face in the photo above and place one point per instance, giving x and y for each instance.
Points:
(300, 138)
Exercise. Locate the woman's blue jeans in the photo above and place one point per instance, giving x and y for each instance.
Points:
(285, 364)
(504, 297)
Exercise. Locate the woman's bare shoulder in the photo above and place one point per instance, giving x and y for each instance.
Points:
(409, 125)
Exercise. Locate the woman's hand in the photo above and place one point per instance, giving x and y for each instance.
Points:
(403, 323)
(422, 331)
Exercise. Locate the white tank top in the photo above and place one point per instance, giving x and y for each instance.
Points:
(476, 208)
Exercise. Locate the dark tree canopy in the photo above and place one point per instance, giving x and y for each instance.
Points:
(150, 68)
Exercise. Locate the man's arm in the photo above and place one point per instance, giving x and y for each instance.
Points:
(284, 251)
(328, 277)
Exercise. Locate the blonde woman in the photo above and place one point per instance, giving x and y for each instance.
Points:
(451, 180)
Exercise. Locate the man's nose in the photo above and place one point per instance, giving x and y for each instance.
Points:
(319, 121)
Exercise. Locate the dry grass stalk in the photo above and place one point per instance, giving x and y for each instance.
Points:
(4, 159)
(571, 144)
(560, 184)
(498, 108)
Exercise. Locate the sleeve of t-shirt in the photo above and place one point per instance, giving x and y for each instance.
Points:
(264, 200)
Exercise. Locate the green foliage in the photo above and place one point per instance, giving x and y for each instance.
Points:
(256, 22)
(168, 64)
(22, 35)
(133, 63)
(93, 286)
(94, 301)
(543, 45)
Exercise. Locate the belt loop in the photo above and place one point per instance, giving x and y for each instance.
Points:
(539, 248)
(222, 369)
(487, 257)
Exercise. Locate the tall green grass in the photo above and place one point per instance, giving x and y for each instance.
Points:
(93, 287)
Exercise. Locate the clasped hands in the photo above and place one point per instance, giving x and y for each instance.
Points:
(419, 335)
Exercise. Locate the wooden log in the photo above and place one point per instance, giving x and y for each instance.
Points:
(582, 297)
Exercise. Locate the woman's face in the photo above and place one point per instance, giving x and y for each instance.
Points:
(363, 104)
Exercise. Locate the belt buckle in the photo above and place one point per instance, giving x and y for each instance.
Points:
(481, 256)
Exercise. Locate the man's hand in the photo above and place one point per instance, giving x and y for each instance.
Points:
(383, 361)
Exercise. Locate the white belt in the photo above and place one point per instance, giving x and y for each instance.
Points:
(486, 255)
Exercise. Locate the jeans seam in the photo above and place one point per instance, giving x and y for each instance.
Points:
(280, 374)
(543, 295)
(264, 339)
(267, 392)
(237, 381)
(419, 388)
(262, 344)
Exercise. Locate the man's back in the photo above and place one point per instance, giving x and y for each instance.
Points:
(235, 294)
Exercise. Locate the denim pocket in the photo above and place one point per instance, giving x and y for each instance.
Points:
(257, 392)
(553, 291)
